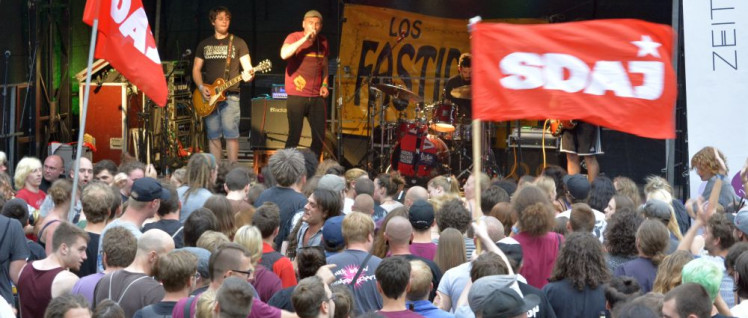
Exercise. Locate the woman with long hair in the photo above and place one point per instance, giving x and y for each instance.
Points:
(60, 192)
(651, 243)
(557, 173)
(201, 175)
(380, 248)
(221, 208)
(441, 185)
(618, 202)
(579, 275)
(321, 205)
(620, 238)
(669, 271)
(451, 250)
(539, 244)
(628, 187)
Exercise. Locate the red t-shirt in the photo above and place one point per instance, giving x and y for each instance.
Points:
(282, 267)
(305, 67)
(539, 255)
(33, 199)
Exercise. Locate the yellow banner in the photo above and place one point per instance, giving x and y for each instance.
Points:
(425, 56)
(414, 51)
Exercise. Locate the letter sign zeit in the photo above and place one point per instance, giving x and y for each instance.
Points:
(530, 70)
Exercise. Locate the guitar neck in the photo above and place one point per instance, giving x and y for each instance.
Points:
(229, 83)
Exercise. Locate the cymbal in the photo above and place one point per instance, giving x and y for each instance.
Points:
(398, 92)
(463, 92)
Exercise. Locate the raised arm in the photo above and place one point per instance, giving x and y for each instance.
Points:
(289, 49)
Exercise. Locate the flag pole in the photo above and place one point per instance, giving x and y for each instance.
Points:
(477, 151)
(84, 110)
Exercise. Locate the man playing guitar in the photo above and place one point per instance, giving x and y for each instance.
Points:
(213, 61)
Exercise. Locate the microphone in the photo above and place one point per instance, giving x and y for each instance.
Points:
(400, 37)
(7, 53)
(187, 53)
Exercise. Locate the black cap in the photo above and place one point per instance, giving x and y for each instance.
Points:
(421, 215)
(148, 189)
(506, 303)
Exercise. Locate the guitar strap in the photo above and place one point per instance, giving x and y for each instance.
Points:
(228, 57)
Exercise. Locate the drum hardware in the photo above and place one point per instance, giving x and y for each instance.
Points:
(398, 92)
(462, 92)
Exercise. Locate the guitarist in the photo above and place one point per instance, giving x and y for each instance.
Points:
(582, 141)
(306, 80)
(212, 61)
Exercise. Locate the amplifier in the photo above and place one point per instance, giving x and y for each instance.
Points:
(532, 137)
(270, 125)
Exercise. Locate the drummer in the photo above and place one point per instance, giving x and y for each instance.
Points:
(461, 97)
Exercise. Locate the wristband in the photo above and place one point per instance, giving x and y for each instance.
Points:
(324, 84)
(200, 87)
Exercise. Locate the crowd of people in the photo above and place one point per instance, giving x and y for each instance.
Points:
(312, 239)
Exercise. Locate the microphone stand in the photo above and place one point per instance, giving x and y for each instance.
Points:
(382, 113)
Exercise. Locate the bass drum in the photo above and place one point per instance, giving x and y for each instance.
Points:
(417, 156)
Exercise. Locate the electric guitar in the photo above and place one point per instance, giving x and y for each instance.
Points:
(204, 107)
(558, 126)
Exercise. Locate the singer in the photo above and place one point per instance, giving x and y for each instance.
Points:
(306, 80)
(220, 56)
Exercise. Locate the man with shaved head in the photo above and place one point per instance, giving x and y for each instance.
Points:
(54, 167)
(414, 194)
(133, 287)
(363, 203)
(399, 234)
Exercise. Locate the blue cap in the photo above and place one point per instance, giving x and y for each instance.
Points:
(148, 189)
(332, 233)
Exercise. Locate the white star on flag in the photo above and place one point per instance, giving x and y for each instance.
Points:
(647, 46)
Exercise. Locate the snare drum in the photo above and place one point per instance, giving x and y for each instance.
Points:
(410, 127)
(444, 116)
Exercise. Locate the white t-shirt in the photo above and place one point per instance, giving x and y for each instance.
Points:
(600, 222)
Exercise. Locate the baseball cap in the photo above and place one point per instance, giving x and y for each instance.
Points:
(480, 293)
(421, 214)
(654, 208)
(332, 233)
(741, 221)
(578, 185)
(506, 303)
(148, 189)
(312, 14)
(203, 259)
(331, 182)
(512, 251)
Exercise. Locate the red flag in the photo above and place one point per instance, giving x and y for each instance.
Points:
(125, 40)
(612, 73)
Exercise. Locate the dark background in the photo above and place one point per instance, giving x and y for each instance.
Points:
(54, 30)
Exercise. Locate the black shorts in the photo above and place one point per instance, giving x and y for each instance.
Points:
(583, 140)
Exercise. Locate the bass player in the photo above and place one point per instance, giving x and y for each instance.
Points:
(213, 61)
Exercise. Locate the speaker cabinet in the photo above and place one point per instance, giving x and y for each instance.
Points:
(105, 121)
(270, 125)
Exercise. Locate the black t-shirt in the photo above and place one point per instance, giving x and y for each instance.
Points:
(170, 227)
(543, 309)
(436, 273)
(464, 104)
(88, 266)
(213, 52)
(36, 251)
(282, 299)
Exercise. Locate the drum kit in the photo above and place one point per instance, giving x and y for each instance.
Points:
(422, 143)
